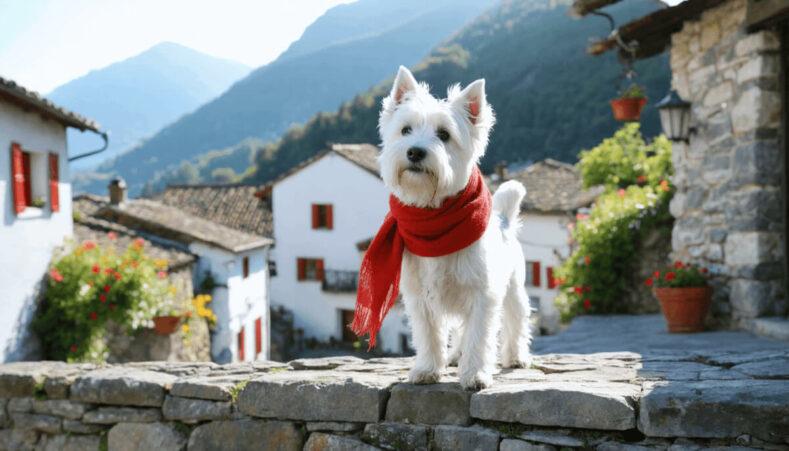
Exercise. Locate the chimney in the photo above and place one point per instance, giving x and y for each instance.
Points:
(117, 189)
(501, 170)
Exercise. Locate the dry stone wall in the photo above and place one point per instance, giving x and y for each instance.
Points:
(729, 205)
(611, 401)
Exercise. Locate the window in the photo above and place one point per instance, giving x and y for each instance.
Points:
(549, 276)
(241, 345)
(258, 336)
(533, 274)
(346, 318)
(245, 266)
(322, 216)
(35, 176)
(309, 269)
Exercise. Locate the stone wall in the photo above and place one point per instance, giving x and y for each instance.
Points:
(611, 401)
(729, 205)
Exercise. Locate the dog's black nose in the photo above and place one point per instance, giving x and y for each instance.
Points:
(416, 154)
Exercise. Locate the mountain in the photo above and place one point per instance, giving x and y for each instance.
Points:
(134, 98)
(347, 50)
(551, 98)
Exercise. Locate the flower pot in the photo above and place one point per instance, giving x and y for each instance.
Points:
(684, 308)
(165, 325)
(628, 109)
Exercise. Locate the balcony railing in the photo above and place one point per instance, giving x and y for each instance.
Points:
(335, 281)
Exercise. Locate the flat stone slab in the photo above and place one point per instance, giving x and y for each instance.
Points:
(716, 409)
(122, 386)
(189, 410)
(320, 441)
(219, 388)
(585, 405)
(457, 438)
(243, 435)
(444, 403)
(317, 396)
(112, 415)
(145, 437)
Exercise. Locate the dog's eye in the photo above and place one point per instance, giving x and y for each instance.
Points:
(406, 130)
(443, 135)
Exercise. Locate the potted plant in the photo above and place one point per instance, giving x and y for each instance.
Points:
(629, 104)
(166, 322)
(684, 296)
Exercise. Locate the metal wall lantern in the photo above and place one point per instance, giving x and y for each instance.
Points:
(675, 117)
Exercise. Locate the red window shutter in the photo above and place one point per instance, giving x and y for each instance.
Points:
(301, 268)
(19, 178)
(258, 336)
(54, 178)
(330, 217)
(319, 269)
(315, 216)
(536, 273)
(241, 345)
(549, 275)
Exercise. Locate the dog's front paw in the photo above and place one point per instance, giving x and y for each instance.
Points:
(476, 381)
(424, 376)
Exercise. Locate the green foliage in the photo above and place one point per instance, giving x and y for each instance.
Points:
(635, 201)
(91, 285)
(223, 175)
(634, 91)
(679, 275)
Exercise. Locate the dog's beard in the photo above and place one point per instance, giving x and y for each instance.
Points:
(419, 184)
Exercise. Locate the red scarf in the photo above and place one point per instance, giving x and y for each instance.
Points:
(428, 232)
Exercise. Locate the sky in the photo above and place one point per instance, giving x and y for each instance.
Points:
(46, 43)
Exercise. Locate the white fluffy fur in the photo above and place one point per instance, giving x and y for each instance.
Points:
(468, 291)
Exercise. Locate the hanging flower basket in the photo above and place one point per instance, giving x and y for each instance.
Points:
(628, 109)
(166, 325)
(684, 296)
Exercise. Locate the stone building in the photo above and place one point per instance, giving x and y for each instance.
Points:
(728, 59)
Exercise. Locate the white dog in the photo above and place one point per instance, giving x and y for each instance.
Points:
(430, 149)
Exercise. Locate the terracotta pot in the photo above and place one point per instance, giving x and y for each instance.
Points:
(165, 325)
(684, 308)
(628, 109)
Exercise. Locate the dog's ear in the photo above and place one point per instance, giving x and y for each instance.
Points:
(404, 83)
(472, 101)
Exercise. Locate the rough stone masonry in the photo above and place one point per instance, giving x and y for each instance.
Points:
(607, 401)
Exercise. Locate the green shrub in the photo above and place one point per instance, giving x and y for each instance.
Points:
(91, 285)
(635, 201)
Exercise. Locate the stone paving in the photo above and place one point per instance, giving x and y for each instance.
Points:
(666, 398)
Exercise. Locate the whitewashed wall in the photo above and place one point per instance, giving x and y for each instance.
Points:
(237, 302)
(360, 202)
(545, 239)
(27, 241)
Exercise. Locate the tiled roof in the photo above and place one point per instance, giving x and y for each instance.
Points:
(235, 206)
(551, 187)
(30, 99)
(88, 227)
(364, 155)
(171, 223)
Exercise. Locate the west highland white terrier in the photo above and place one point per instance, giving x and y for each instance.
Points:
(431, 148)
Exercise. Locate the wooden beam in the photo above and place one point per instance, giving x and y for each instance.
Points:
(765, 13)
(581, 8)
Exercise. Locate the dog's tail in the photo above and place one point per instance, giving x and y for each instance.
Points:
(507, 204)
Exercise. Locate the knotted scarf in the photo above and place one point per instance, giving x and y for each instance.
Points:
(428, 232)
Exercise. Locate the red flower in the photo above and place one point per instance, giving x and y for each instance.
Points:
(117, 276)
(88, 245)
(103, 298)
(670, 276)
(108, 271)
(641, 179)
(587, 289)
(55, 275)
(678, 264)
(581, 216)
(656, 274)
(95, 269)
(664, 186)
(621, 192)
(578, 290)
(587, 259)
(112, 236)
(139, 242)
(649, 282)
(161, 274)
(107, 288)
(73, 348)
(93, 316)
(587, 304)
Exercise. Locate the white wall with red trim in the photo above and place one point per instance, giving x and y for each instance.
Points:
(359, 203)
(544, 238)
(238, 301)
(28, 234)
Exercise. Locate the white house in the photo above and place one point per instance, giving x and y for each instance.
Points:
(35, 200)
(553, 197)
(231, 265)
(325, 210)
